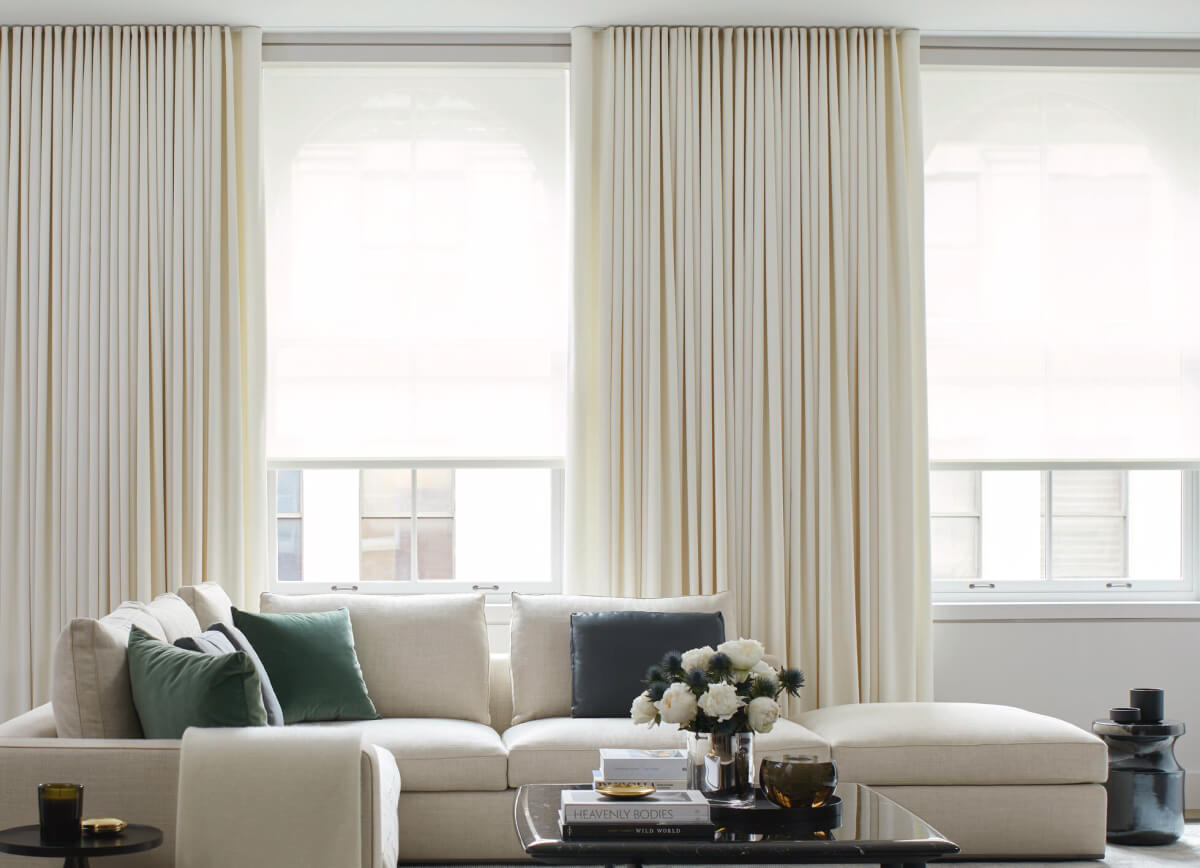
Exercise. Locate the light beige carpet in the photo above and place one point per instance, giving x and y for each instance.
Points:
(1185, 851)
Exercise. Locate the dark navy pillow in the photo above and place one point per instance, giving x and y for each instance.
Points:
(611, 651)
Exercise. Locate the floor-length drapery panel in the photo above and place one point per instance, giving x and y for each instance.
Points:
(748, 373)
(130, 310)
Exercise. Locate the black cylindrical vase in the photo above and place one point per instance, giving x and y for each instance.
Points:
(1145, 781)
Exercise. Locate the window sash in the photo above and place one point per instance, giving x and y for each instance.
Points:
(327, 584)
(1050, 589)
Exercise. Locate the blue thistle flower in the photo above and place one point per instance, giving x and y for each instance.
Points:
(672, 662)
(696, 678)
(657, 689)
(792, 680)
(720, 664)
(655, 673)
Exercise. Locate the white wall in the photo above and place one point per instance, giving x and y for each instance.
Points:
(1075, 670)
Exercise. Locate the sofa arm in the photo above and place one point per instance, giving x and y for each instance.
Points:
(380, 799)
(136, 780)
(38, 723)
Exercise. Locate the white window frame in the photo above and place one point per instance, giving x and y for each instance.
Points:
(1129, 588)
(352, 584)
(550, 48)
(999, 51)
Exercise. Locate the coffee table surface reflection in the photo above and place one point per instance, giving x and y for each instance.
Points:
(874, 830)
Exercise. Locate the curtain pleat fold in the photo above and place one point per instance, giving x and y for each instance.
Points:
(130, 326)
(748, 398)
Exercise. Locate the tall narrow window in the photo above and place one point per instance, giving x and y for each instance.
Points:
(417, 273)
(1062, 204)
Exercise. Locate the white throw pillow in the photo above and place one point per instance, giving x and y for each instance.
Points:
(421, 655)
(210, 603)
(176, 616)
(90, 691)
(540, 642)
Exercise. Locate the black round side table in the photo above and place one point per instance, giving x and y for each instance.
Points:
(1145, 782)
(27, 841)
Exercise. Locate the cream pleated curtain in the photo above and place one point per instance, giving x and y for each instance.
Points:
(131, 441)
(748, 369)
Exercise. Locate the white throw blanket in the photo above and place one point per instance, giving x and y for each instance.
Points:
(269, 796)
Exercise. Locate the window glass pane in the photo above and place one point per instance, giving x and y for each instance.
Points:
(435, 492)
(288, 549)
(1155, 525)
(287, 492)
(386, 493)
(1087, 548)
(1061, 204)
(417, 259)
(954, 491)
(435, 548)
(1012, 526)
(386, 550)
(503, 525)
(1089, 492)
(955, 547)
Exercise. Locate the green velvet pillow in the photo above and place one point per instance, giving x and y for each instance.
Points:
(174, 689)
(311, 660)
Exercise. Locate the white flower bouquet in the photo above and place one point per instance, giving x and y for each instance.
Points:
(723, 690)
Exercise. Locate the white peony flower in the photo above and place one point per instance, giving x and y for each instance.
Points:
(678, 705)
(742, 653)
(644, 710)
(697, 658)
(739, 675)
(765, 671)
(721, 701)
(762, 713)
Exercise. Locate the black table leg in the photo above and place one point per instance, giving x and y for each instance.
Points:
(76, 862)
(901, 865)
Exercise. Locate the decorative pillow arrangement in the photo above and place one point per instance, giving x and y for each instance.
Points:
(226, 639)
(174, 688)
(440, 640)
(311, 662)
(540, 639)
(610, 650)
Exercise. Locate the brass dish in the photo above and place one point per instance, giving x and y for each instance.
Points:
(626, 791)
(104, 827)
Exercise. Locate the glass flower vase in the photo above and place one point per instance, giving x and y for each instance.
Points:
(721, 766)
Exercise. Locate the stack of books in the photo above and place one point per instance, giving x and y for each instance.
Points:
(664, 769)
(672, 811)
(669, 814)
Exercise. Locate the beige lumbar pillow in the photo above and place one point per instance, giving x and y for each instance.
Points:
(91, 694)
(540, 642)
(422, 655)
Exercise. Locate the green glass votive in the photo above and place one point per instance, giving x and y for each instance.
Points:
(60, 810)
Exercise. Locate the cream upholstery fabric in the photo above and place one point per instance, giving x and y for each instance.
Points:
(35, 723)
(565, 749)
(264, 796)
(176, 616)
(748, 395)
(434, 755)
(540, 642)
(210, 603)
(421, 655)
(130, 779)
(91, 695)
(131, 381)
(380, 797)
(956, 743)
(500, 704)
(441, 827)
(1023, 822)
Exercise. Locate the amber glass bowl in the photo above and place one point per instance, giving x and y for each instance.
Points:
(797, 780)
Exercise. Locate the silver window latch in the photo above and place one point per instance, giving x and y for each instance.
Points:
(343, 587)
(485, 587)
(975, 586)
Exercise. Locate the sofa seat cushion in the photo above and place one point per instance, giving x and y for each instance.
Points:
(561, 750)
(436, 754)
(956, 743)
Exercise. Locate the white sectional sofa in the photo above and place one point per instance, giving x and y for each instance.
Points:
(999, 781)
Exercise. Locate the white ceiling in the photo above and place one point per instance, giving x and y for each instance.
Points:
(1017, 17)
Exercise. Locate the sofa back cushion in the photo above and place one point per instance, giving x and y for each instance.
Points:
(540, 642)
(421, 655)
(176, 617)
(210, 603)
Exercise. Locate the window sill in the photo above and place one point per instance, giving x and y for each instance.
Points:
(1124, 610)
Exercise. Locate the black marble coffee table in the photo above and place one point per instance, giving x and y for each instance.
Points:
(27, 841)
(874, 830)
